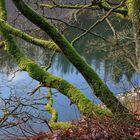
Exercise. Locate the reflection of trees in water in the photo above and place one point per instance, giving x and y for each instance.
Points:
(6, 63)
(116, 66)
(94, 50)
(35, 53)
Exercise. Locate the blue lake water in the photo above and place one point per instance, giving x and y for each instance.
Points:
(21, 84)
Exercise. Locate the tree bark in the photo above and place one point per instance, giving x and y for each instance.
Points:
(136, 28)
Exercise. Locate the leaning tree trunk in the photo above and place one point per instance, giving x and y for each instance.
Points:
(136, 29)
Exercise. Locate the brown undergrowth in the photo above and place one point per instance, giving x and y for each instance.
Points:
(107, 128)
(94, 129)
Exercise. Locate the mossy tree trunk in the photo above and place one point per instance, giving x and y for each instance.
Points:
(100, 89)
(136, 28)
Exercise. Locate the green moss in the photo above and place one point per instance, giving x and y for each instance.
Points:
(42, 43)
(129, 4)
(3, 13)
(59, 125)
(50, 109)
(53, 121)
(103, 5)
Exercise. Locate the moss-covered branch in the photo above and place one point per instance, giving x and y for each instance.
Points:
(89, 6)
(100, 89)
(3, 13)
(133, 7)
(129, 5)
(120, 10)
(95, 6)
(49, 107)
(136, 29)
(54, 115)
(42, 43)
(1, 44)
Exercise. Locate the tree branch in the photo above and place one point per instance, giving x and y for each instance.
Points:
(93, 6)
(42, 43)
(97, 22)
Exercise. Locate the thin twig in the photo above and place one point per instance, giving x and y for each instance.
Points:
(96, 23)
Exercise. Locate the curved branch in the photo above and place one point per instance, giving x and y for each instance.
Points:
(94, 6)
(42, 43)
(54, 115)
(89, 6)
(82, 29)
(49, 107)
(2, 44)
(97, 22)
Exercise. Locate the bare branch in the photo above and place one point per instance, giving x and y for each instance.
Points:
(97, 22)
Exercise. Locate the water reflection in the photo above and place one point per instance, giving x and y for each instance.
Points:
(97, 52)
